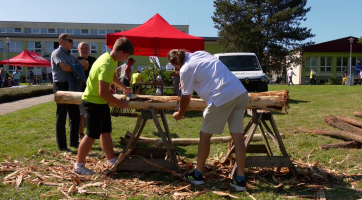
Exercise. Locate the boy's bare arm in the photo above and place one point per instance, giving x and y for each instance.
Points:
(107, 95)
(119, 84)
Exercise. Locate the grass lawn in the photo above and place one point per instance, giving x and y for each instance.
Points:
(24, 132)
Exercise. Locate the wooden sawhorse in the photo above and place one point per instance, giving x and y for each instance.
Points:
(259, 118)
(148, 159)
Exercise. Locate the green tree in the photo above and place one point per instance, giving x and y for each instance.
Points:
(269, 28)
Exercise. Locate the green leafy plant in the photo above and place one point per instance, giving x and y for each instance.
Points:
(149, 74)
(334, 81)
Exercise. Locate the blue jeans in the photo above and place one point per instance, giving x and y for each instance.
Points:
(16, 81)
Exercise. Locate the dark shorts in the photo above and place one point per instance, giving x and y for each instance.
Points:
(98, 119)
(125, 82)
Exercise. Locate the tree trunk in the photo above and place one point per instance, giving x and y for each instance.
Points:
(186, 141)
(331, 120)
(339, 134)
(349, 120)
(358, 113)
(349, 144)
(273, 101)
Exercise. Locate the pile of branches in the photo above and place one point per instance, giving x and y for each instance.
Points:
(350, 130)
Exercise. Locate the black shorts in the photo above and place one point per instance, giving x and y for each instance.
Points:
(125, 82)
(98, 119)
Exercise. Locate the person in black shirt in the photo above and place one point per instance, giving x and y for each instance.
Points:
(83, 49)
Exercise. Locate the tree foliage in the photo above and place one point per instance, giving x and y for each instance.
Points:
(269, 28)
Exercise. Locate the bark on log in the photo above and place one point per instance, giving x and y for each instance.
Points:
(349, 144)
(331, 120)
(273, 101)
(358, 113)
(339, 134)
(187, 141)
(349, 120)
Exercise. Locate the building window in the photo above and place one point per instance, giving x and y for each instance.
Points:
(2, 30)
(51, 46)
(84, 31)
(74, 48)
(10, 30)
(69, 31)
(27, 30)
(61, 30)
(326, 64)
(17, 30)
(103, 48)
(101, 32)
(36, 30)
(94, 32)
(77, 31)
(354, 59)
(110, 31)
(1, 46)
(342, 62)
(311, 63)
(43, 31)
(16, 46)
(34, 46)
(51, 30)
(117, 31)
(93, 48)
(359, 61)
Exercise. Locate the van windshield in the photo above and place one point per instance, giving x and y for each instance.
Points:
(240, 63)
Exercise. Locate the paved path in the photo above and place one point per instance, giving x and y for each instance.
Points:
(25, 103)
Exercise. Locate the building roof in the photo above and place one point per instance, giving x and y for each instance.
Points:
(339, 45)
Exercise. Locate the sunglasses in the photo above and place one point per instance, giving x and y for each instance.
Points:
(69, 40)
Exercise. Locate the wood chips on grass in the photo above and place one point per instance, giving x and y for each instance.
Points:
(312, 178)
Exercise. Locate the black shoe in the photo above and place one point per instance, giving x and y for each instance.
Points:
(66, 150)
(197, 180)
(238, 185)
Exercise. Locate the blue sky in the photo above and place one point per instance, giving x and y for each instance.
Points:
(328, 19)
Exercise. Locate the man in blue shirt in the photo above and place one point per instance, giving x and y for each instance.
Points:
(62, 63)
(16, 76)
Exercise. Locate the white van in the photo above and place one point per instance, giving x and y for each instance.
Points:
(246, 67)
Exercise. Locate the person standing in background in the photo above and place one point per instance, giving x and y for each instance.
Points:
(83, 49)
(125, 71)
(62, 62)
(16, 76)
(43, 77)
(290, 74)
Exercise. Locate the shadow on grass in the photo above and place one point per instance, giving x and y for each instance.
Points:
(292, 101)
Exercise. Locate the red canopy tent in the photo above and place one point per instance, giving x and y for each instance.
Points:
(157, 37)
(27, 59)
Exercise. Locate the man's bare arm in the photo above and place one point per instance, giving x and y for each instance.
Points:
(184, 103)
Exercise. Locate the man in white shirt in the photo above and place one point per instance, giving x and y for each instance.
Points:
(290, 75)
(226, 100)
(360, 75)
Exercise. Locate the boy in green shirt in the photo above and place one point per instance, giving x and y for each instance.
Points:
(95, 101)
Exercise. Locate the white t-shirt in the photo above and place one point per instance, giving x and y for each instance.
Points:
(290, 72)
(210, 78)
(360, 73)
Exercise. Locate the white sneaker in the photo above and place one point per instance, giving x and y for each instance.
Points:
(83, 171)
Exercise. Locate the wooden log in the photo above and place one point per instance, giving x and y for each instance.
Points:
(339, 134)
(358, 113)
(331, 120)
(187, 141)
(273, 101)
(349, 120)
(349, 144)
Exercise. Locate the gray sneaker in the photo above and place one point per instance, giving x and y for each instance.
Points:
(83, 171)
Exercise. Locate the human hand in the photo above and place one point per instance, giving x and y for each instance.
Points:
(127, 90)
(83, 62)
(177, 116)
